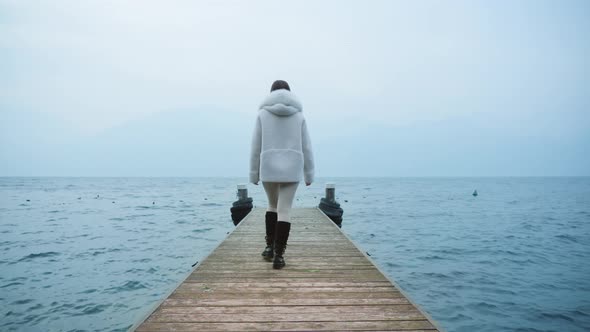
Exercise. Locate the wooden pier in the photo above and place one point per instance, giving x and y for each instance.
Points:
(328, 284)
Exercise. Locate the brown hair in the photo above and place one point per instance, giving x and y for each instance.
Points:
(279, 84)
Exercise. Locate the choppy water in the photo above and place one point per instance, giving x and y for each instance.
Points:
(98, 253)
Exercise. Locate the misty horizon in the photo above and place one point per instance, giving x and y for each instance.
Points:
(395, 89)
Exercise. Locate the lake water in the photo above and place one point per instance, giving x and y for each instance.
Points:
(96, 254)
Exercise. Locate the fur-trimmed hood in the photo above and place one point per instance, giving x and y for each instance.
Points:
(282, 103)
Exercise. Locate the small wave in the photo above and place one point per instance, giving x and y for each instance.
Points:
(554, 316)
(459, 318)
(484, 305)
(142, 260)
(39, 255)
(128, 286)
(35, 307)
(211, 204)
(37, 232)
(436, 275)
(431, 257)
(25, 301)
(502, 291)
(390, 264)
(91, 309)
(508, 252)
(530, 329)
(89, 291)
(141, 215)
(580, 313)
(11, 284)
(452, 251)
(201, 230)
(18, 278)
(566, 237)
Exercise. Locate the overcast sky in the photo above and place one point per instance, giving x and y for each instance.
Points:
(518, 72)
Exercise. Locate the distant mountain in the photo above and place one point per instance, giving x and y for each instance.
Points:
(174, 143)
(462, 145)
(216, 142)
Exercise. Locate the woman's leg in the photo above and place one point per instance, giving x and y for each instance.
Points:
(272, 193)
(286, 195)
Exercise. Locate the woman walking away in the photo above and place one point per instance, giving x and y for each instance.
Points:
(281, 156)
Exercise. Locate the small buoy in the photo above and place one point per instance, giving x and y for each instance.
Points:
(28, 200)
(205, 198)
(113, 202)
(153, 203)
(345, 201)
(475, 193)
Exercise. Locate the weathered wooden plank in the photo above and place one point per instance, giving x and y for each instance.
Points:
(270, 301)
(308, 285)
(356, 260)
(292, 326)
(277, 279)
(334, 275)
(294, 264)
(284, 295)
(328, 284)
(191, 287)
(339, 309)
(296, 274)
(305, 270)
(248, 254)
(270, 316)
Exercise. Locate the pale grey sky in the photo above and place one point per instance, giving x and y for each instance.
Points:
(389, 87)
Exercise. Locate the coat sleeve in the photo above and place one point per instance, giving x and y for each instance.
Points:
(308, 163)
(255, 152)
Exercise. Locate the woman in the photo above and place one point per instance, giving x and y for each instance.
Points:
(281, 156)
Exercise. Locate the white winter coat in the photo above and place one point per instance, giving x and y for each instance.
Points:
(281, 148)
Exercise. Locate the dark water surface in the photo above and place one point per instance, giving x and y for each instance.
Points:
(97, 254)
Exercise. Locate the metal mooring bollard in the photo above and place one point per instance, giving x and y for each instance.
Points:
(242, 206)
(330, 207)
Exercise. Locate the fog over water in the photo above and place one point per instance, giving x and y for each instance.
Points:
(421, 88)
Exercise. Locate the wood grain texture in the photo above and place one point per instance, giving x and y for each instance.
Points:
(327, 285)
